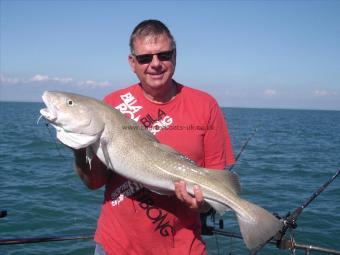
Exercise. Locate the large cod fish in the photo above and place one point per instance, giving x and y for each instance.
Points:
(127, 148)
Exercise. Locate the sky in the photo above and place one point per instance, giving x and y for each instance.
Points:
(256, 54)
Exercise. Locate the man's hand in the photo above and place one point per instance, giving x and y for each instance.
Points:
(195, 202)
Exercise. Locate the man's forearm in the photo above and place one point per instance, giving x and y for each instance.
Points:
(95, 175)
(80, 159)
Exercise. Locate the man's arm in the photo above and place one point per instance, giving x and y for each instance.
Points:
(94, 176)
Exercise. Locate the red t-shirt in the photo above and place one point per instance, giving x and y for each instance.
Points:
(134, 220)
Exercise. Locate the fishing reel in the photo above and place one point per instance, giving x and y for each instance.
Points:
(209, 230)
(289, 223)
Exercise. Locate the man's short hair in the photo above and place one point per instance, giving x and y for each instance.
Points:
(150, 27)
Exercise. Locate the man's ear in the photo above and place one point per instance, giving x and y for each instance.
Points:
(132, 62)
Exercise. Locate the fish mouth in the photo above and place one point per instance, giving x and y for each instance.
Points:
(49, 113)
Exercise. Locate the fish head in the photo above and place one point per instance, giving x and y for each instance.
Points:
(74, 117)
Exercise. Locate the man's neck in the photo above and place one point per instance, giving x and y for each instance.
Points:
(163, 95)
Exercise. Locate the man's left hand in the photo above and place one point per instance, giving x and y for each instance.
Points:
(195, 202)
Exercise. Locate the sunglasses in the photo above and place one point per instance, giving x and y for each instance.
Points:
(147, 58)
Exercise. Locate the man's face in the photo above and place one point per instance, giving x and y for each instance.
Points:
(157, 73)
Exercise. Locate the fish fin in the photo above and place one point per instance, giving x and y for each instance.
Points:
(228, 178)
(74, 140)
(108, 163)
(258, 228)
(89, 154)
(219, 207)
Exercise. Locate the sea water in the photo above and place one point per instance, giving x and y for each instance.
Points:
(292, 153)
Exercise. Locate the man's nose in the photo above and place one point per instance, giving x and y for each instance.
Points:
(155, 61)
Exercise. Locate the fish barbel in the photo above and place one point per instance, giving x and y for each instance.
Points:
(127, 148)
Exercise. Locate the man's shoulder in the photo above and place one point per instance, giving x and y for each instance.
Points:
(197, 94)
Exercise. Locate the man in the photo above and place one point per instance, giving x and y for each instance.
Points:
(133, 219)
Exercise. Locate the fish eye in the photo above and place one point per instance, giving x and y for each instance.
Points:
(69, 102)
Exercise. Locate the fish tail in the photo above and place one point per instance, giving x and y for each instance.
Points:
(258, 226)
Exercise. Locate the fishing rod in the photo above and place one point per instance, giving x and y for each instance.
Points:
(289, 222)
(40, 239)
(245, 144)
(287, 244)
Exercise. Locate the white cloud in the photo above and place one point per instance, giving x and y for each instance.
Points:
(323, 93)
(92, 84)
(38, 78)
(62, 80)
(270, 92)
(45, 78)
(9, 80)
(87, 83)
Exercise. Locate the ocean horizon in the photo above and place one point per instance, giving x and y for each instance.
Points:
(232, 107)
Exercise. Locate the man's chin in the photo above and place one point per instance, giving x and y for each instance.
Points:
(156, 83)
